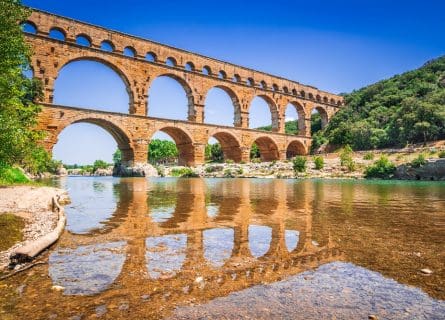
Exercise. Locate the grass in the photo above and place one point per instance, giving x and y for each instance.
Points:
(10, 175)
(11, 228)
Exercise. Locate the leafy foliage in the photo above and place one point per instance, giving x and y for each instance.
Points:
(408, 108)
(382, 168)
(441, 154)
(319, 162)
(11, 175)
(117, 157)
(162, 151)
(213, 152)
(368, 156)
(18, 142)
(299, 164)
(254, 152)
(346, 158)
(183, 173)
(419, 161)
(100, 164)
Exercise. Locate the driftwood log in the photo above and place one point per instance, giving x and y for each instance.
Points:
(31, 250)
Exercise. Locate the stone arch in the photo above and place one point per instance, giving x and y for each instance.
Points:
(268, 148)
(184, 143)
(273, 110)
(107, 63)
(301, 116)
(235, 102)
(119, 134)
(191, 112)
(29, 26)
(323, 114)
(230, 145)
(57, 33)
(295, 148)
(83, 39)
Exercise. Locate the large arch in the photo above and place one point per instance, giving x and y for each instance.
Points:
(121, 74)
(273, 112)
(324, 118)
(184, 143)
(301, 116)
(295, 148)
(268, 148)
(190, 113)
(121, 137)
(230, 146)
(236, 120)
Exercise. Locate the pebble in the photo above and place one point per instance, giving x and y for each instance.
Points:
(372, 317)
(101, 310)
(58, 288)
(426, 271)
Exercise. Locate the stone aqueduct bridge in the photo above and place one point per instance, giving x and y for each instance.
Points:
(138, 62)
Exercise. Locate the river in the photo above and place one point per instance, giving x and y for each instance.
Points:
(140, 248)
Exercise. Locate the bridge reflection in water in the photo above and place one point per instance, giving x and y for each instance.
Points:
(172, 241)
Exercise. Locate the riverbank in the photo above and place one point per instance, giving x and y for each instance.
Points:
(35, 206)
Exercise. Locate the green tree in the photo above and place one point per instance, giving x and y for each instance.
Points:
(213, 152)
(18, 141)
(100, 164)
(162, 151)
(254, 152)
(117, 157)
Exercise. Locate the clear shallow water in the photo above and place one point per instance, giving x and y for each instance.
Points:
(149, 248)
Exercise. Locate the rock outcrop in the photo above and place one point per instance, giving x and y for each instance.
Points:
(434, 170)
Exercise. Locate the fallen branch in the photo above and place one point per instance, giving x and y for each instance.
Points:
(27, 267)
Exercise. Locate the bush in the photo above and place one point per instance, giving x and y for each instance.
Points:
(419, 161)
(11, 175)
(382, 168)
(442, 154)
(319, 162)
(346, 158)
(299, 164)
(256, 160)
(183, 173)
(368, 156)
(229, 161)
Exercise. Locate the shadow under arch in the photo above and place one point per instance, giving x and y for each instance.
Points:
(230, 145)
(191, 111)
(235, 103)
(121, 137)
(272, 108)
(184, 143)
(295, 148)
(268, 148)
(105, 63)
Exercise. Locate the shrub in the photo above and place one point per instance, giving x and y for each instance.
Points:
(382, 168)
(346, 158)
(229, 161)
(11, 175)
(228, 173)
(256, 160)
(299, 164)
(441, 154)
(319, 162)
(368, 156)
(183, 173)
(419, 161)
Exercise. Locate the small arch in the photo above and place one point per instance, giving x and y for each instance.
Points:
(222, 74)
(230, 146)
(83, 40)
(295, 92)
(171, 62)
(295, 148)
(339, 103)
(250, 82)
(129, 52)
(303, 94)
(236, 78)
(263, 85)
(275, 87)
(267, 148)
(311, 96)
(151, 57)
(207, 71)
(184, 143)
(189, 66)
(285, 89)
(325, 99)
(332, 101)
(318, 98)
(107, 46)
(29, 27)
(57, 34)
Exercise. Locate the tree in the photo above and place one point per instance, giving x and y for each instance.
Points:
(18, 141)
(162, 151)
(117, 157)
(100, 164)
(213, 152)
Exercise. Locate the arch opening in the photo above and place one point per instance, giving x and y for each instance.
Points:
(319, 119)
(295, 148)
(57, 34)
(263, 114)
(220, 100)
(103, 86)
(189, 66)
(294, 119)
(170, 97)
(150, 57)
(206, 71)
(129, 52)
(171, 62)
(185, 154)
(266, 148)
(107, 46)
(223, 146)
(83, 40)
(29, 27)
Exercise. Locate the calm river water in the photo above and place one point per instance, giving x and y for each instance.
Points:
(240, 248)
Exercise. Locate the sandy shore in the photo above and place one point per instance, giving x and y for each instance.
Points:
(34, 205)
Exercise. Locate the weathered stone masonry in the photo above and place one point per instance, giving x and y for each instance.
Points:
(196, 73)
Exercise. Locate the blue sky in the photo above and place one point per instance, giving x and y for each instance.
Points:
(336, 46)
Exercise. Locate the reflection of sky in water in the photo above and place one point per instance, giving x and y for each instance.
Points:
(93, 202)
(292, 237)
(218, 245)
(259, 240)
(160, 215)
(165, 255)
(87, 270)
(212, 211)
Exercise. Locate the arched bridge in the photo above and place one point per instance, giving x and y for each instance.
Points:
(138, 62)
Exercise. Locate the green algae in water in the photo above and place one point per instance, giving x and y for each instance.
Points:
(11, 228)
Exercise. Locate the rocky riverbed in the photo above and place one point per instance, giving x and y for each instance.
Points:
(34, 205)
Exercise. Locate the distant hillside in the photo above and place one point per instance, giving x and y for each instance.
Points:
(406, 108)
